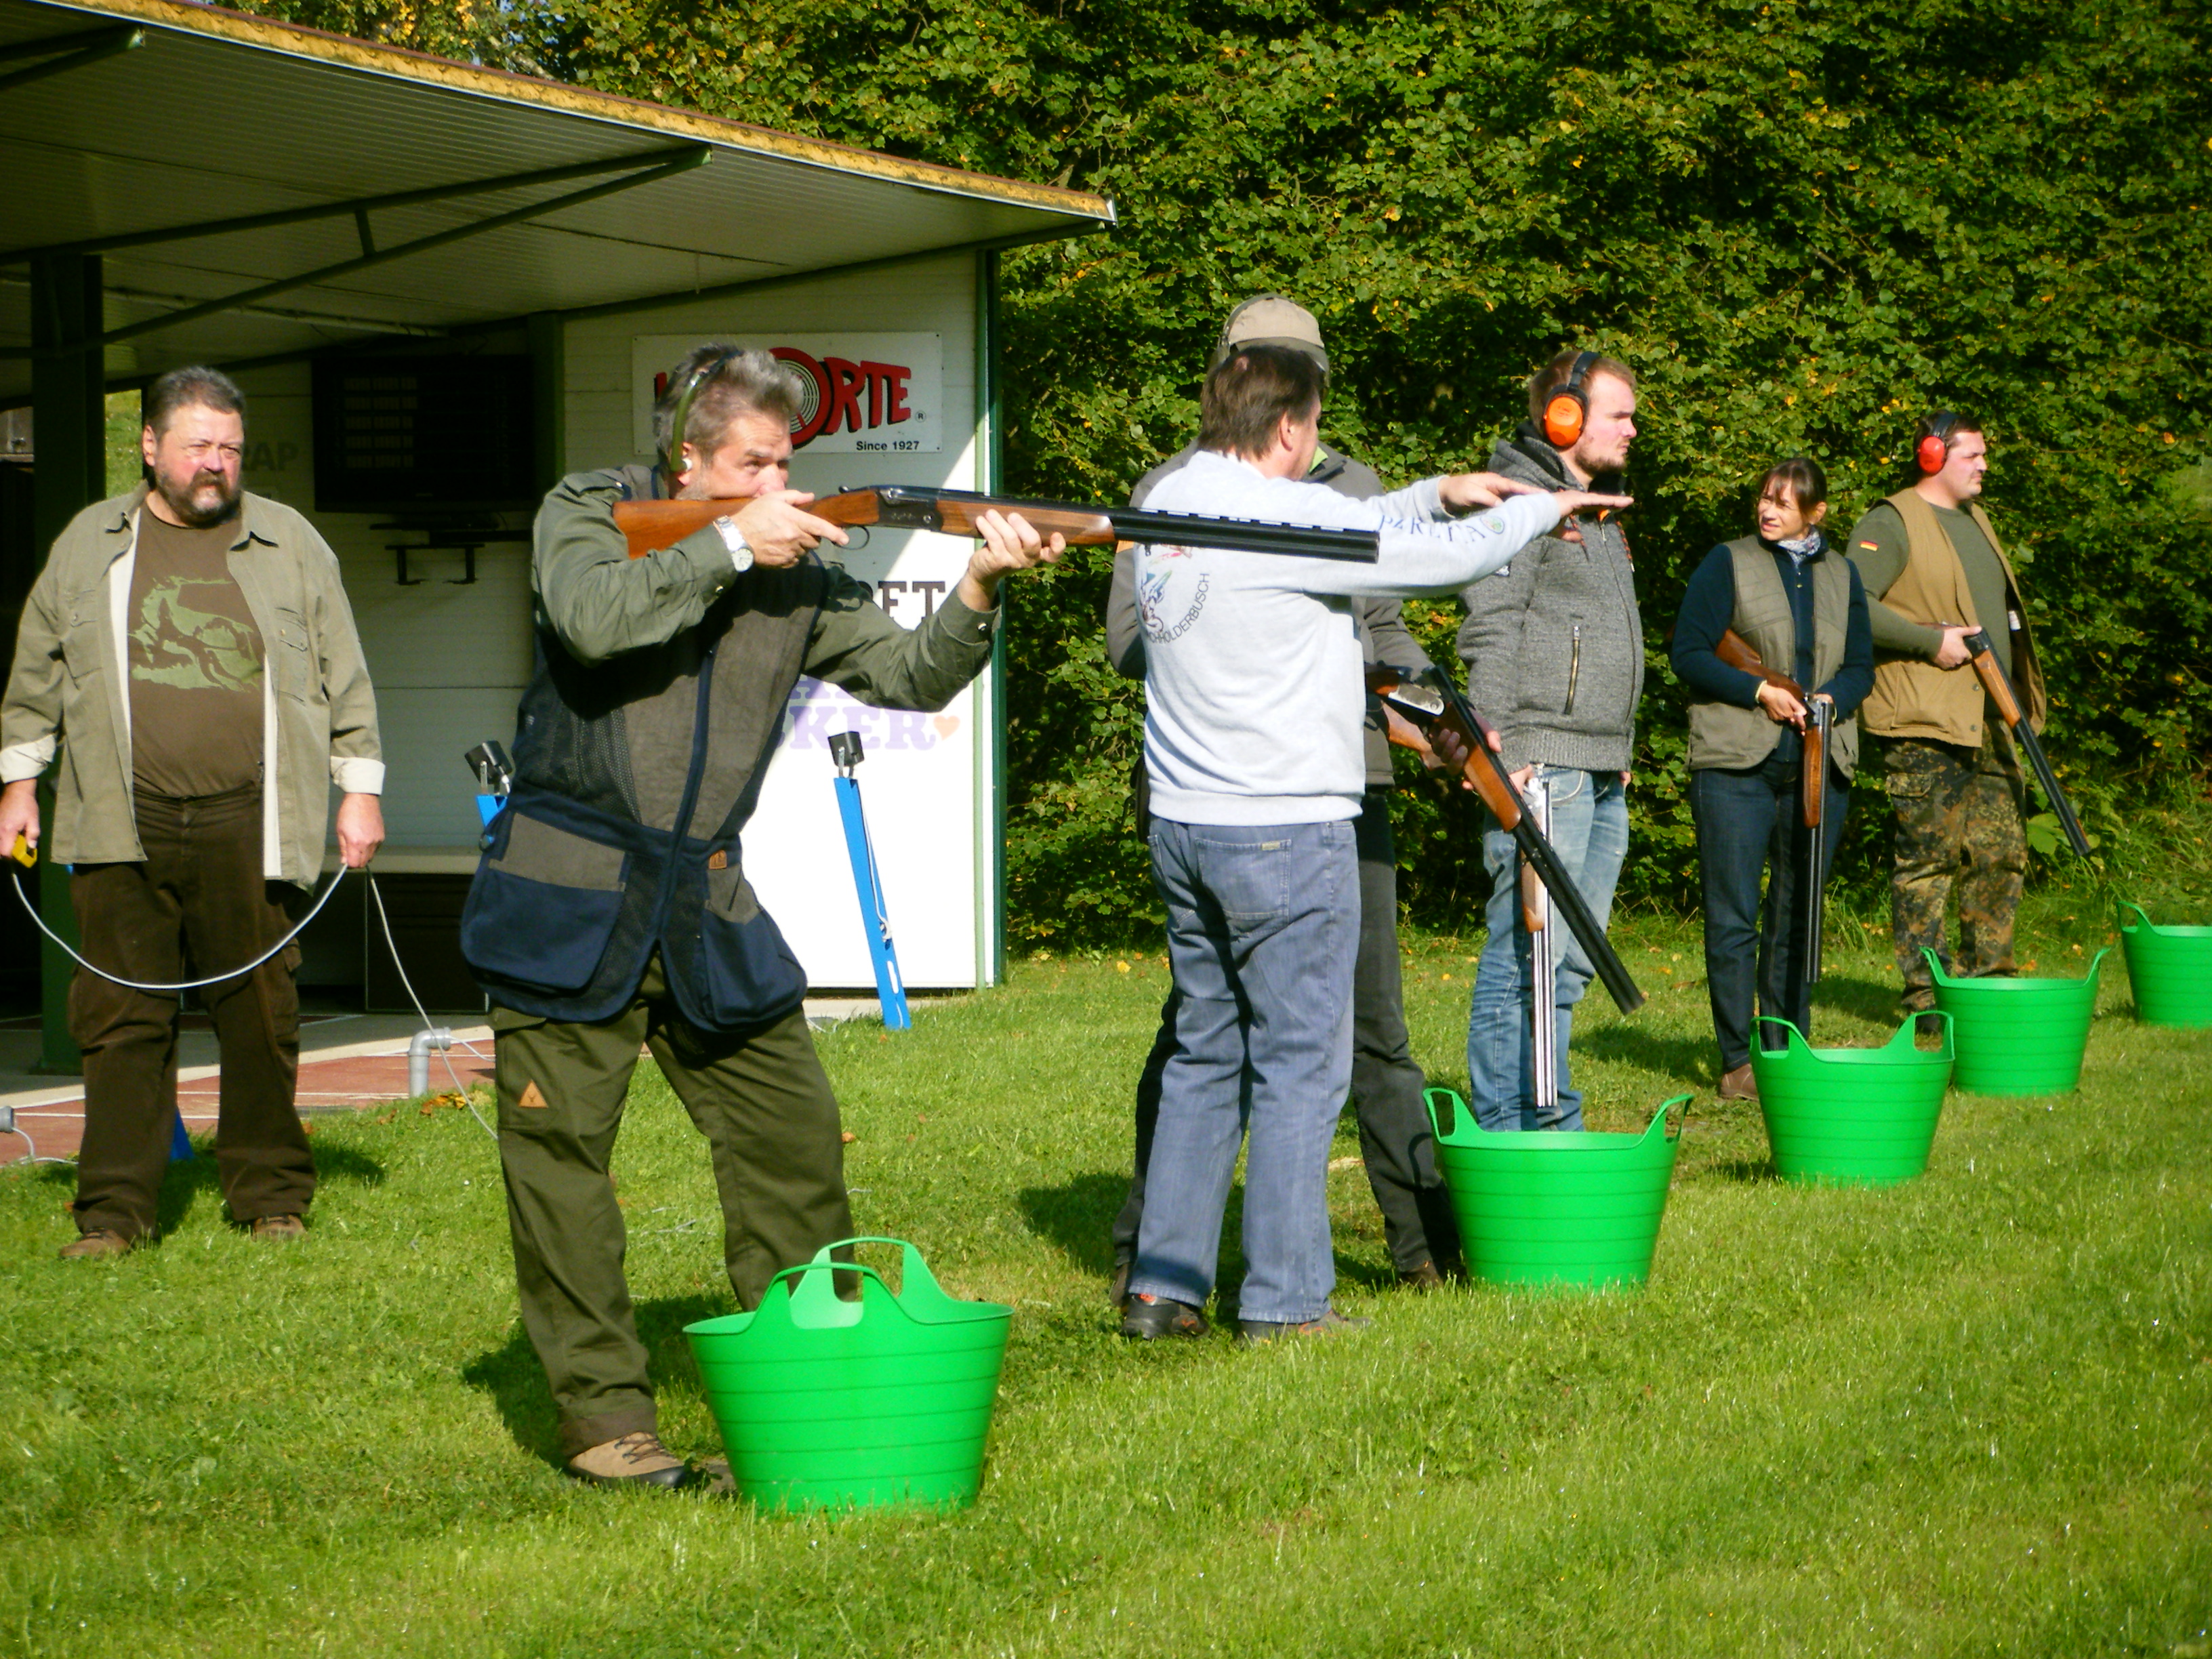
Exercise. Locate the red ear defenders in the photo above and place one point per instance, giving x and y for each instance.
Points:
(1565, 409)
(1934, 448)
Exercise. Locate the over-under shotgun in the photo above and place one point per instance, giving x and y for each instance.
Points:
(648, 526)
(1737, 652)
(2009, 709)
(1430, 701)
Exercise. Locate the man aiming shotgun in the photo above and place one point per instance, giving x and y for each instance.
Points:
(611, 909)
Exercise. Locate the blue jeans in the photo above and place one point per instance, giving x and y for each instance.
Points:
(1263, 928)
(1589, 831)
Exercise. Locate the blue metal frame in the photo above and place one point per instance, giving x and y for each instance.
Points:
(891, 989)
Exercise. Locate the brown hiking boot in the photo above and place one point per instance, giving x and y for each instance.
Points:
(279, 1229)
(98, 1243)
(1422, 1278)
(635, 1460)
(1739, 1083)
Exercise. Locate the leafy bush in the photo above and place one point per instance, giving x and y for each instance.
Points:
(1802, 222)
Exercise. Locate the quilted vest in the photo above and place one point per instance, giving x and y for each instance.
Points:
(634, 778)
(1732, 739)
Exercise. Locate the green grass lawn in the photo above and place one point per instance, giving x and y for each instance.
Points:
(1972, 1414)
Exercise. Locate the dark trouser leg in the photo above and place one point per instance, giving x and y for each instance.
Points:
(1132, 1215)
(1394, 1139)
(1994, 850)
(561, 1209)
(1735, 813)
(233, 914)
(131, 922)
(1782, 991)
(1928, 785)
(765, 1105)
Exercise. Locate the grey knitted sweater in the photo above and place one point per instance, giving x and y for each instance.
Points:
(1554, 644)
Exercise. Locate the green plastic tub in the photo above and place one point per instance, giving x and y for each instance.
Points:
(1851, 1116)
(2018, 1036)
(2170, 968)
(878, 1403)
(1575, 1209)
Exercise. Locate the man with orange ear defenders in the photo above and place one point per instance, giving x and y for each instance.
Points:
(1554, 653)
(1934, 571)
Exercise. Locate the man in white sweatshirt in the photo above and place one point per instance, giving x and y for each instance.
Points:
(1252, 738)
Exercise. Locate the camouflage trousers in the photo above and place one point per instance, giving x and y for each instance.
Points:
(1958, 814)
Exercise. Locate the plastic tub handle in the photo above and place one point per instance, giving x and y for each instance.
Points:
(1681, 1121)
(2129, 904)
(1797, 1037)
(1903, 1038)
(1428, 1100)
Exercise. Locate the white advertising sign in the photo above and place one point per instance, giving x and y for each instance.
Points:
(859, 394)
(917, 787)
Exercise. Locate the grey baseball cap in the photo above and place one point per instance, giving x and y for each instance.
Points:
(1272, 319)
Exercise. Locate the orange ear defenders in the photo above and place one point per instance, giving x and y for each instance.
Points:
(1935, 446)
(1565, 409)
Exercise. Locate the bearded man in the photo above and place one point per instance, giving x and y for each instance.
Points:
(189, 651)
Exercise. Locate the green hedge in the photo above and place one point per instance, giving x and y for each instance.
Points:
(1801, 223)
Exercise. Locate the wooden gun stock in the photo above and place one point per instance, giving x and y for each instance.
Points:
(1993, 679)
(1736, 652)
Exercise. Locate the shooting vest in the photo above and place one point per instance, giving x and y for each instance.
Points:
(1731, 740)
(1911, 697)
(632, 779)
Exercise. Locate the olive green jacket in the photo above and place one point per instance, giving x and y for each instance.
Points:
(70, 690)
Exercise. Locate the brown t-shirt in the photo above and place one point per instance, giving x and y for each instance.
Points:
(196, 663)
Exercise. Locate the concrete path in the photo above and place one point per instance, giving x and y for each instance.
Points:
(347, 1061)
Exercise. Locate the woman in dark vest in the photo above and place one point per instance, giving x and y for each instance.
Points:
(1796, 601)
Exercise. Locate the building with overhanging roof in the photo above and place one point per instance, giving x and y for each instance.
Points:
(460, 281)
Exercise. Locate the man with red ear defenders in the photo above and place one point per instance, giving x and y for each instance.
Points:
(1555, 650)
(1934, 571)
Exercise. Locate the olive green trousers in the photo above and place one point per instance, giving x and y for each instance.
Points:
(764, 1105)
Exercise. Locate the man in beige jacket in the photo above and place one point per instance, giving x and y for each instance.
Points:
(1934, 572)
(188, 654)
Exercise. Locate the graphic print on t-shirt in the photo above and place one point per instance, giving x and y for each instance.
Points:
(181, 641)
(196, 663)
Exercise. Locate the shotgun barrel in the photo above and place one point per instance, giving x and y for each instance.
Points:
(1819, 714)
(2014, 715)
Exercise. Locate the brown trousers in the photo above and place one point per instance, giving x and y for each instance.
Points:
(198, 904)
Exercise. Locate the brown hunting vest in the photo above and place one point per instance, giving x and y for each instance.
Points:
(1912, 697)
(1728, 738)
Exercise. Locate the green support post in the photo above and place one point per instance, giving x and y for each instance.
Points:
(69, 432)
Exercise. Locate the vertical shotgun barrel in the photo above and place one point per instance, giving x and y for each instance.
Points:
(1818, 715)
(1543, 975)
(2014, 714)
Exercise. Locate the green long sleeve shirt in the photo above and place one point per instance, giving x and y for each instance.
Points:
(1878, 547)
(602, 604)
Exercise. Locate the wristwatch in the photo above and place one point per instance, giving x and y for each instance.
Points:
(741, 553)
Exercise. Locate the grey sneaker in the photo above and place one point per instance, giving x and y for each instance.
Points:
(1250, 1333)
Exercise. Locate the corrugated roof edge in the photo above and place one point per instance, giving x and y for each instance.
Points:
(269, 35)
